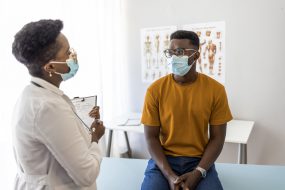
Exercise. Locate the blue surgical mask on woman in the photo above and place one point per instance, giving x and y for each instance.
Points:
(179, 65)
(73, 68)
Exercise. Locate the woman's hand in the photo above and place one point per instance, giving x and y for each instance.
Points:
(97, 130)
(95, 112)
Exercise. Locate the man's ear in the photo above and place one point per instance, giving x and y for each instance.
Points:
(197, 55)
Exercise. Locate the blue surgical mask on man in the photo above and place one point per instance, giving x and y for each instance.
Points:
(73, 68)
(179, 64)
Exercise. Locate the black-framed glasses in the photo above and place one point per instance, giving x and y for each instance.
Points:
(178, 52)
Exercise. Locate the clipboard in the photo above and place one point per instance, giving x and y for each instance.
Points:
(83, 105)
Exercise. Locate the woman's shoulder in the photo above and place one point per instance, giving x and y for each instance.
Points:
(40, 97)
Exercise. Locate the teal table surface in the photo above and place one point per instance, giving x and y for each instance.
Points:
(127, 174)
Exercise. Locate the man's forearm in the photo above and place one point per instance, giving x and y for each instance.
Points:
(211, 153)
(215, 145)
(158, 156)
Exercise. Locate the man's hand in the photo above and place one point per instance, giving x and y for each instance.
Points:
(190, 180)
(173, 184)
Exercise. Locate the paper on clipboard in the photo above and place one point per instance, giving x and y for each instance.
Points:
(83, 106)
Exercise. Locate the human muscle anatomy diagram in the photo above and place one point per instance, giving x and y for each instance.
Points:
(212, 49)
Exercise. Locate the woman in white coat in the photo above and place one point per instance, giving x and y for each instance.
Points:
(53, 148)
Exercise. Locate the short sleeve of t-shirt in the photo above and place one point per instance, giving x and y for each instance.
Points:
(220, 111)
(150, 114)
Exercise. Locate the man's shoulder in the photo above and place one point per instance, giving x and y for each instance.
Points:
(209, 81)
(160, 82)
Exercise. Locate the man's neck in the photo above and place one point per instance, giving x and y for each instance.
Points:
(189, 78)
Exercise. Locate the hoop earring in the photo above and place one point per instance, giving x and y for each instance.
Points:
(50, 75)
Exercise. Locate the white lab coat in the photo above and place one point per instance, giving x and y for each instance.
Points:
(52, 147)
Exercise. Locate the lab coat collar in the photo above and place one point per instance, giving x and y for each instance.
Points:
(47, 85)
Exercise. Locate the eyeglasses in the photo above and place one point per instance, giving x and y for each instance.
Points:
(178, 52)
(72, 51)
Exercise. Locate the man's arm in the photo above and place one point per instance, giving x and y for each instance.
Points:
(214, 146)
(156, 152)
(211, 153)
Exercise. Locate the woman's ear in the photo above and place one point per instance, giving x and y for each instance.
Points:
(49, 67)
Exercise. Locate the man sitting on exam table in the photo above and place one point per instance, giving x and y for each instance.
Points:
(177, 111)
(54, 149)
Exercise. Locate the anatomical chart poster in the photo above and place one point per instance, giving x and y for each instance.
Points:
(153, 42)
(212, 49)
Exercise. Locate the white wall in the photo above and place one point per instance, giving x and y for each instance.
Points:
(255, 39)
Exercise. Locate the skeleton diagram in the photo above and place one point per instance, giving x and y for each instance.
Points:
(147, 48)
(156, 44)
(166, 46)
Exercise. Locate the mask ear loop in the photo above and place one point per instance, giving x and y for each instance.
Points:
(60, 62)
(191, 56)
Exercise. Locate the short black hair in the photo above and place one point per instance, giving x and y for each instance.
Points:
(35, 44)
(184, 34)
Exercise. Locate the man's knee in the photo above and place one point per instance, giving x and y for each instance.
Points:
(154, 179)
(154, 182)
(211, 182)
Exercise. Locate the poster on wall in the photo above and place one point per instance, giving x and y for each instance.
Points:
(153, 42)
(212, 48)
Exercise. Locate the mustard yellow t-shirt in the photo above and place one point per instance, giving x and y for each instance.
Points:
(184, 112)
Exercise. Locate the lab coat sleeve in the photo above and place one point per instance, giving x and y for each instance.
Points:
(57, 127)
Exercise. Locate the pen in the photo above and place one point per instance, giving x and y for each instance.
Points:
(96, 119)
